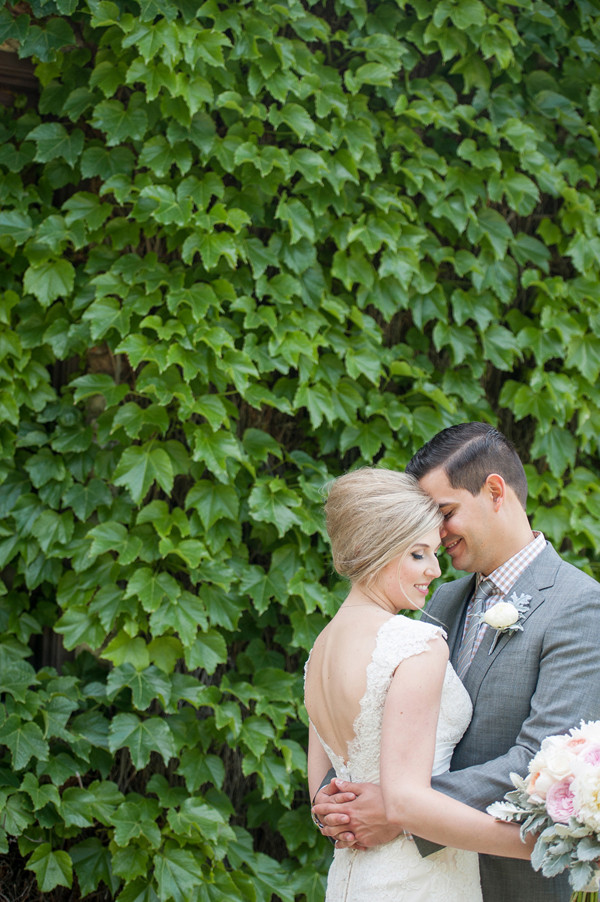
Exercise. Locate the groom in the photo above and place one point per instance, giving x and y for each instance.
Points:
(526, 685)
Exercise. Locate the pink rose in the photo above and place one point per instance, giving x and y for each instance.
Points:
(559, 801)
(576, 745)
(592, 755)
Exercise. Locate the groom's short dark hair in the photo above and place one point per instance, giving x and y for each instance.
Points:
(468, 453)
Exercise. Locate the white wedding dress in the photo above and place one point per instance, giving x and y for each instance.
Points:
(396, 872)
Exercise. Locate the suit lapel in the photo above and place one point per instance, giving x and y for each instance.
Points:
(538, 577)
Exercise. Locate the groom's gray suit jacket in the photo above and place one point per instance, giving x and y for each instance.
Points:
(538, 682)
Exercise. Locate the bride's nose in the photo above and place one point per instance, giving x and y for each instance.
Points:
(433, 569)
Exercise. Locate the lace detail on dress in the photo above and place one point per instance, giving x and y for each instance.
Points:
(397, 639)
(337, 762)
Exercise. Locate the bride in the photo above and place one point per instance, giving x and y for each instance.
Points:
(384, 704)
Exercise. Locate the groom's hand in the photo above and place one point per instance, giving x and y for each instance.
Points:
(353, 815)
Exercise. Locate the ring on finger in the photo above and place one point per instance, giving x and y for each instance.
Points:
(316, 820)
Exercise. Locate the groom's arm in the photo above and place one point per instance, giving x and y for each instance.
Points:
(567, 692)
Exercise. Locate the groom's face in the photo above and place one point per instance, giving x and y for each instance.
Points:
(467, 530)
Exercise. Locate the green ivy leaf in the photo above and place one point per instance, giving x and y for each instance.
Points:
(271, 501)
(584, 355)
(213, 502)
(141, 737)
(212, 246)
(106, 314)
(16, 225)
(50, 280)
(17, 813)
(256, 734)
(183, 615)
(76, 807)
(51, 869)
(196, 817)
(124, 649)
(107, 536)
(491, 225)
(296, 117)
(262, 587)
(557, 446)
(177, 874)
(77, 628)
(92, 863)
(45, 42)
(120, 123)
(198, 770)
(136, 817)
(40, 795)
(53, 140)
(52, 528)
(131, 863)
(208, 650)
(24, 740)
(16, 676)
(500, 347)
(270, 769)
(141, 466)
(151, 588)
(85, 499)
(145, 685)
(215, 449)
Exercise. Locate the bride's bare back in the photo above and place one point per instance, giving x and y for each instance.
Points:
(336, 675)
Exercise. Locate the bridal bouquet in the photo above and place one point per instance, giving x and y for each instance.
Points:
(560, 800)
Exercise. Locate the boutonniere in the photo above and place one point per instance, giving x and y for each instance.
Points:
(506, 616)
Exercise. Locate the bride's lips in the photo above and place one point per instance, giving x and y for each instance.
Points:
(423, 588)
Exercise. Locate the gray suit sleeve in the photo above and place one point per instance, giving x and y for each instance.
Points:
(563, 648)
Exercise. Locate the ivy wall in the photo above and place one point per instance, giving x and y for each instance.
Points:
(246, 245)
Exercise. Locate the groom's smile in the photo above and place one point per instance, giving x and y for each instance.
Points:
(449, 546)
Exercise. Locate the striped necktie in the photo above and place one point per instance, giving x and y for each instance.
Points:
(465, 655)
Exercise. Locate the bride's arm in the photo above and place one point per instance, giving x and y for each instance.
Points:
(407, 752)
(318, 762)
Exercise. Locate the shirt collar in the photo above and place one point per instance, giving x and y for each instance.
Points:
(505, 576)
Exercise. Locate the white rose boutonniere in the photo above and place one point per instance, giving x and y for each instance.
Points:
(506, 616)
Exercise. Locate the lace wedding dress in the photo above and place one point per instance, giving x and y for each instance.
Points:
(396, 872)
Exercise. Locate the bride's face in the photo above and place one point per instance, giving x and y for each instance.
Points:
(405, 580)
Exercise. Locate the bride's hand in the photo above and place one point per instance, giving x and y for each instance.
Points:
(332, 824)
(353, 815)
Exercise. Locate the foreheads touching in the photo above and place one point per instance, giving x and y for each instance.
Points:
(468, 454)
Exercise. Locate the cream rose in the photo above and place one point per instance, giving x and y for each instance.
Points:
(560, 762)
(587, 797)
(538, 784)
(501, 615)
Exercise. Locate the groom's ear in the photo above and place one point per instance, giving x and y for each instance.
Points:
(495, 486)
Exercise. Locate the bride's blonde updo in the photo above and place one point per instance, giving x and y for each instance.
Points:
(372, 516)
